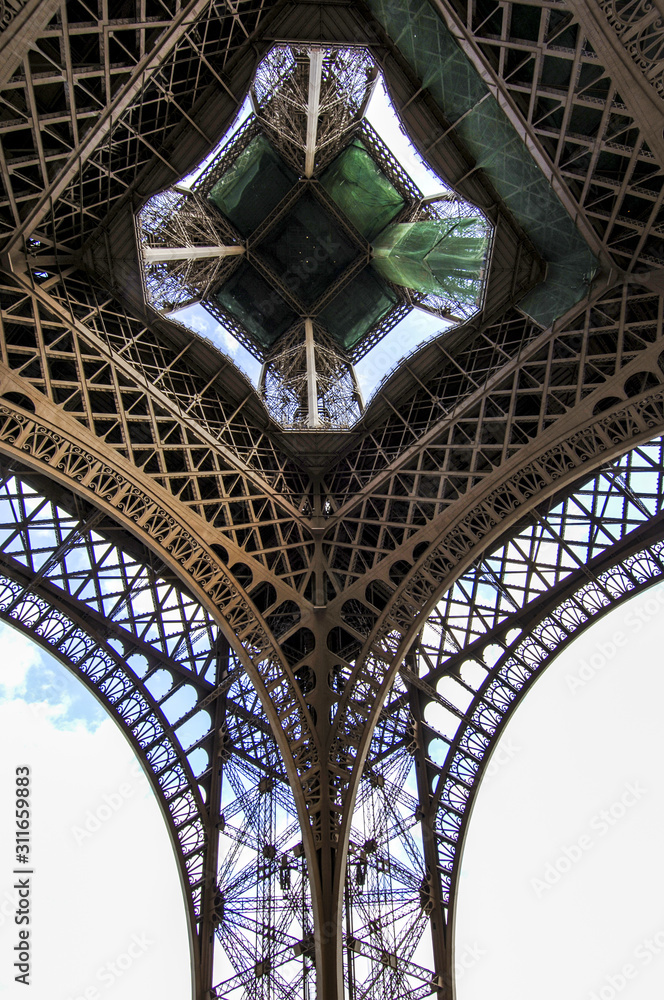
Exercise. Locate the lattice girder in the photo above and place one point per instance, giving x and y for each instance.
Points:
(483, 683)
(155, 660)
(319, 583)
(588, 108)
(329, 788)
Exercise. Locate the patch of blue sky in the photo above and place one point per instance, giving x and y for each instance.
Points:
(199, 320)
(412, 331)
(416, 328)
(52, 684)
(29, 673)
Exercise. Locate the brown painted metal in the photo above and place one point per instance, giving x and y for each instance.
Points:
(319, 577)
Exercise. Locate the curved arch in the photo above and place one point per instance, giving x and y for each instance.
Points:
(453, 548)
(142, 646)
(31, 440)
(523, 665)
(127, 701)
(386, 648)
(492, 664)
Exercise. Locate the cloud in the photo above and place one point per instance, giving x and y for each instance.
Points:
(222, 338)
(30, 677)
(19, 656)
(107, 909)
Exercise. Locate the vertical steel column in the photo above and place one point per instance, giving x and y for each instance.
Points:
(433, 891)
(313, 419)
(209, 900)
(313, 108)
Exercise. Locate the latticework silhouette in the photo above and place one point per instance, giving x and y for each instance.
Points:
(313, 631)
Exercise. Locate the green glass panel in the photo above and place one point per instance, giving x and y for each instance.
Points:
(256, 305)
(361, 190)
(356, 308)
(442, 256)
(252, 186)
(494, 145)
(307, 250)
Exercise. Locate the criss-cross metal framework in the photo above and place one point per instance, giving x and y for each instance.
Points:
(312, 638)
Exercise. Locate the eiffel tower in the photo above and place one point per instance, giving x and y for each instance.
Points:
(313, 618)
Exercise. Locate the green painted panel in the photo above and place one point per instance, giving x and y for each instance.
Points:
(490, 138)
(252, 186)
(256, 305)
(443, 257)
(352, 313)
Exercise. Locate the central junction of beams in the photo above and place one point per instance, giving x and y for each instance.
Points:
(307, 240)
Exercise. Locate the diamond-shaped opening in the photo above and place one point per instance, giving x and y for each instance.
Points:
(361, 190)
(295, 228)
(307, 250)
(361, 304)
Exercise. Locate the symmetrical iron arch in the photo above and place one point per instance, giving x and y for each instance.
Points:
(47, 592)
(322, 556)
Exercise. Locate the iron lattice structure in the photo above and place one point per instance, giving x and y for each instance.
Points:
(265, 202)
(180, 218)
(325, 632)
(281, 98)
(285, 387)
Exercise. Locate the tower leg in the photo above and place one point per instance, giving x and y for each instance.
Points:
(328, 930)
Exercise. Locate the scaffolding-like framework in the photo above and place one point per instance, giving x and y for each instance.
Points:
(310, 101)
(310, 98)
(186, 250)
(307, 382)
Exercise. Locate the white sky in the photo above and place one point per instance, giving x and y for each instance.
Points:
(571, 751)
(559, 897)
(102, 892)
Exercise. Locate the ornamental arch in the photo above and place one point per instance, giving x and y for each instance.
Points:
(323, 554)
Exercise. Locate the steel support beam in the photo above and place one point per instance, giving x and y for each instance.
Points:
(313, 107)
(158, 255)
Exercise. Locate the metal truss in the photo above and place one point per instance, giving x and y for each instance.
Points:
(639, 27)
(157, 662)
(372, 618)
(280, 617)
(508, 616)
(155, 659)
(580, 121)
(309, 382)
(93, 142)
(146, 649)
(310, 100)
(172, 279)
